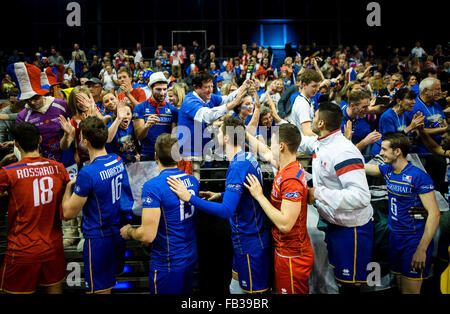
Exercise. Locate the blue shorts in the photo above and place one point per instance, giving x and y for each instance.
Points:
(104, 258)
(173, 282)
(252, 270)
(350, 251)
(401, 250)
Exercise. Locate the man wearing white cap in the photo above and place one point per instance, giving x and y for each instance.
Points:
(42, 111)
(155, 114)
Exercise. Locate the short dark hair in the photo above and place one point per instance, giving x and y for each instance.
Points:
(404, 93)
(26, 135)
(234, 124)
(165, 147)
(95, 131)
(200, 78)
(331, 114)
(290, 135)
(398, 140)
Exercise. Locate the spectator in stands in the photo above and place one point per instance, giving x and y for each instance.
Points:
(228, 75)
(109, 79)
(228, 88)
(275, 91)
(347, 90)
(81, 105)
(43, 111)
(78, 52)
(93, 52)
(287, 65)
(55, 57)
(303, 110)
(397, 119)
(176, 94)
(70, 76)
(96, 89)
(134, 95)
(359, 105)
(155, 114)
(435, 125)
(418, 51)
(121, 133)
(412, 83)
(199, 107)
(159, 52)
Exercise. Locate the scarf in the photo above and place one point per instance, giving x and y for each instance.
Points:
(156, 105)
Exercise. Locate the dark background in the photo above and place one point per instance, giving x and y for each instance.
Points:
(229, 23)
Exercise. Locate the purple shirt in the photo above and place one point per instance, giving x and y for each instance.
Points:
(49, 127)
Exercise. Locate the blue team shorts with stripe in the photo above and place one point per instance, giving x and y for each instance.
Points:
(350, 251)
(171, 282)
(104, 258)
(401, 250)
(252, 270)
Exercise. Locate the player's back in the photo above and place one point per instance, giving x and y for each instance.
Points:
(175, 243)
(36, 187)
(102, 182)
(247, 222)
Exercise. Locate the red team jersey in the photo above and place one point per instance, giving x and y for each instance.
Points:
(137, 93)
(290, 184)
(35, 186)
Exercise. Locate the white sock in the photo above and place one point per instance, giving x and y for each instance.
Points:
(235, 288)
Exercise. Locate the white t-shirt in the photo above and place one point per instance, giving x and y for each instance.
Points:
(302, 111)
(108, 82)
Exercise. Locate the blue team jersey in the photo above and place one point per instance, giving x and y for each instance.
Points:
(123, 143)
(166, 117)
(189, 132)
(247, 230)
(432, 115)
(105, 184)
(360, 126)
(175, 244)
(404, 189)
(390, 121)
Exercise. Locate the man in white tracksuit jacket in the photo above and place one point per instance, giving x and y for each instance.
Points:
(341, 195)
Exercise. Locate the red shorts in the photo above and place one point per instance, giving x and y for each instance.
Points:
(24, 278)
(292, 273)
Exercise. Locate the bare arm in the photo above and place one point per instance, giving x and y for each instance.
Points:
(72, 203)
(430, 204)
(148, 229)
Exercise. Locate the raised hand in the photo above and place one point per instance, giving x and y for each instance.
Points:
(348, 130)
(66, 126)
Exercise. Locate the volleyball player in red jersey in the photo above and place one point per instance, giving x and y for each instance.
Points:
(287, 209)
(35, 185)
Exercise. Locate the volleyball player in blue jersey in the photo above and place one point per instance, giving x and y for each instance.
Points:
(103, 191)
(169, 224)
(249, 236)
(410, 239)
